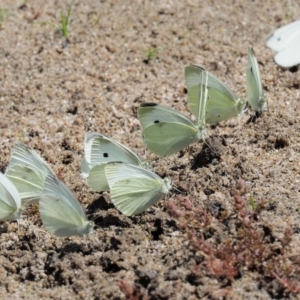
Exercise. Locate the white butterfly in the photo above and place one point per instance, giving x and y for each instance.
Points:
(134, 189)
(222, 105)
(100, 150)
(255, 93)
(286, 42)
(10, 201)
(61, 213)
(167, 131)
(27, 171)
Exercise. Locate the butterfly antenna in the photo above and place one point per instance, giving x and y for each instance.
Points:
(18, 226)
(176, 189)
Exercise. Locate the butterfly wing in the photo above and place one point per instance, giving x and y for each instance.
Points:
(27, 171)
(23, 155)
(290, 55)
(255, 93)
(222, 103)
(197, 96)
(134, 189)
(29, 182)
(284, 36)
(61, 213)
(10, 201)
(165, 130)
(99, 149)
(96, 178)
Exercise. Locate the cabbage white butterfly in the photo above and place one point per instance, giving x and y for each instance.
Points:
(27, 171)
(255, 93)
(10, 201)
(61, 213)
(222, 105)
(134, 189)
(98, 151)
(286, 42)
(167, 131)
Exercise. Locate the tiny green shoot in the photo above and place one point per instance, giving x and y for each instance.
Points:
(252, 202)
(64, 20)
(151, 53)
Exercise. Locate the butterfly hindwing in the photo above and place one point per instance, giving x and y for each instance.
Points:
(96, 178)
(10, 201)
(30, 182)
(134, 189)
(61, 213)
(290, 55)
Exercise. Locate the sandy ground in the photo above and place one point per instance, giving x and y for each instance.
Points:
(207, 242)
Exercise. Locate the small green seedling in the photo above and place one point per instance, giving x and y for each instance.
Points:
(151, 53)
(64, 21)
(252, 202)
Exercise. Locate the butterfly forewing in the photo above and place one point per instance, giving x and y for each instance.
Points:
(27, 171)
(104, 150)
(222, 103)
(255, 94)
(165, 130)
(284, 36)
(23, 155)
(100, 149)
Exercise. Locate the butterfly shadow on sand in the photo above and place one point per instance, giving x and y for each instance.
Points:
(107, 220)
(211, 152)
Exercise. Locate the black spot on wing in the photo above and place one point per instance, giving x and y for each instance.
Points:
(148, 104)
(105, 155)
(156, 122)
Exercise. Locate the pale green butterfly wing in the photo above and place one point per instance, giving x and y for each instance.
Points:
(27, 171)
(23, 155)
(199, 106)
(165, 130)
(10, 201)
(97, 179)
(255, 93)
(61, 213)
(30, 182)
(99, 150)
(134, 189)
(222, 103)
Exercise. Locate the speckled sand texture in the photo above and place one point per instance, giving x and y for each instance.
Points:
(53, 91)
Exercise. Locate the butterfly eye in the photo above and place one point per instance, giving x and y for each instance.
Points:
(105, 155)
